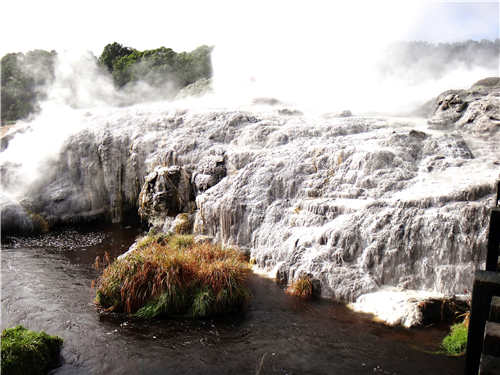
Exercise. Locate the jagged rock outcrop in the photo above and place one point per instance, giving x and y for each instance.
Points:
(166, 193)
(476, 109)
(356, 203)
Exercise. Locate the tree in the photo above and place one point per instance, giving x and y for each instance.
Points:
(111, 53)
(25, 78)
(156, 66)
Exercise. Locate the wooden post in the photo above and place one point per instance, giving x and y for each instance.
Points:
(495, 310)
(493, 240)
(486, 285)
(491, 343)
(490, 365)
(498, 193)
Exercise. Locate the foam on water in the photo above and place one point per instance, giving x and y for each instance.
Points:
(394, 306)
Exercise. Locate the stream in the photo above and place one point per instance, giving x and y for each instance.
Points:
(46, 285)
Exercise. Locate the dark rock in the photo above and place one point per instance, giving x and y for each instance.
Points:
(16, 219)
(418, 134)
(166, 192)
(447, 310)
(282, 275)
(316, 288)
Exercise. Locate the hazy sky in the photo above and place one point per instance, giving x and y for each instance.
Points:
(183, 25)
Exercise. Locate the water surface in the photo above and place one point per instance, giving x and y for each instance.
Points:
(46, 285)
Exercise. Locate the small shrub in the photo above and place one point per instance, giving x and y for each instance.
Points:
(456, 341)
(302, 287)
(27, 352)
(175, 278)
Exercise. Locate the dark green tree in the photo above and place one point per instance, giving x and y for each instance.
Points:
(111, 53)
(156, 66)
(25, 78)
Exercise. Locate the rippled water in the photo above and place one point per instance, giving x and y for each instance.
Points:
(47, 287)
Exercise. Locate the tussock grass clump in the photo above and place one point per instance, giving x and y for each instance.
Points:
(175, 278)
(302, 287)
(456, 341)
(28, 352)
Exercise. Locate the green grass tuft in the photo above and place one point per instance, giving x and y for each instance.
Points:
(456, 341)
(28, 352)
(202, 303)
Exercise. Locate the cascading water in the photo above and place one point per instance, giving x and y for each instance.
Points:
(356, 203)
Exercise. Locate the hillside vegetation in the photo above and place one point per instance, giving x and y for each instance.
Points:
(27, 77)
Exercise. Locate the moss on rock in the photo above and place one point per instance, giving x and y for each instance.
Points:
(27, 352)
(456, 341)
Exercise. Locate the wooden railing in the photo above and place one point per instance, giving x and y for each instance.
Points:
(486, 287)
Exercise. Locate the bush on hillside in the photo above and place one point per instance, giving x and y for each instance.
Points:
(156, 67)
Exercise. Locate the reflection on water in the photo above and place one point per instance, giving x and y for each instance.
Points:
(48, 287)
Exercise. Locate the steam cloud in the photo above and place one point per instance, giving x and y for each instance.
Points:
(329, 59)
(316, 58)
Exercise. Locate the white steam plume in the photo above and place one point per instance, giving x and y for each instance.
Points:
(325, 57)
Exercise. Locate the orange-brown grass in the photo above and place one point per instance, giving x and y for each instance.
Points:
(302, 287)
(175, 277)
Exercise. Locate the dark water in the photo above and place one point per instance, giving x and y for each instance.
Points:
(47, 287)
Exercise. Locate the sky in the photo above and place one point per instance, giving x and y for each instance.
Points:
(184, 25)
